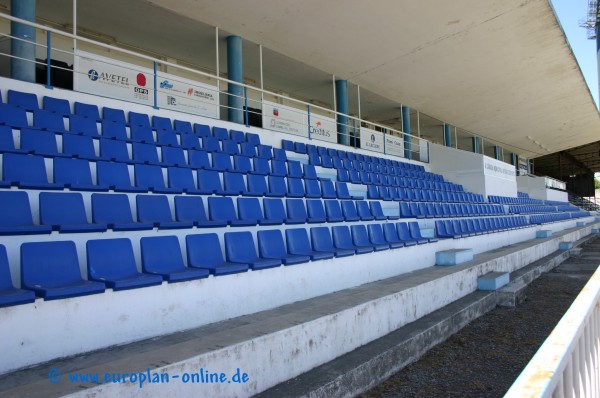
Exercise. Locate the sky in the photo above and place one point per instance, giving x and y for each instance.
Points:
(570, 14)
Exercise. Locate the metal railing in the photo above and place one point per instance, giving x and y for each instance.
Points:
(349, 130)
(567, 364)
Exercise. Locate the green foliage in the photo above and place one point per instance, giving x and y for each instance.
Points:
(597, 183)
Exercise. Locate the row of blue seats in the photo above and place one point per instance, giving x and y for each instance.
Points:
(29, 172)
(516, 201)
(448, 210)
(51, 269)
(420, 195)
(199, 138)
(309, 149)
(568, 207)
(45, 143)
(522, 195)
(361, 177)
(530, 209)
(478, 226)
(548, 218)
(65, 212)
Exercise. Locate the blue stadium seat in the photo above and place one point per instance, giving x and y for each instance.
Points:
(342, 239)
(161, 255)
(322, 242)
(300, 147)
(114, 210)
(202, 130)
(327, 189)
(79, 146)
(404, 235)
(298, 243)
(265, 151)
(377, 211)
(113, 131)
(114, 115)
(83, 126)
(242, 164)
(27, 101)
(271, 246)
(115, 151)
(230, 147)
(139, 119)
(162, 123)
(343, 175)
(274, 210)
(151, 178)
(210, 183)
(278, 168)
(190, 141)
(377, 237)
(155, 209)
(13, 116)
(51, 269)
(220, 133)
(253, 138)
(191, 208)
(333, 211)
(261, 166)
(294, 169)
(249, 209)
(115, 176)
(199, 160)
(239, 247)
(279, 154)
(248, 149)
(65, 212)
(287, 145)
(9, 295)
(349, 210)
(313, 188)
(390, 234)
(295, 188)
(57, 105)
(39, 142)
(75, 174)
(167, 138)
(25, 171)
(363, 210)
(87, 110)
(309, 172)
(46, 120)
(296, 210)
(222, 209)
(142, 134)
(182, 179)
(211, 144)
(315, 211)
(277, 186)
(112, 261)
(212, 260)
(342, 191)
(234, 184)
(7, 142)
(314, 160)
(16, 217)
(237, 136)
(182, 126)
(221, 162)
(360, 239)
(415, 233)
(144, 153)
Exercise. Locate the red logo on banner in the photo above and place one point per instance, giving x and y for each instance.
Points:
(141, 80)
(275, 112)
(318, 124)
(190, 91)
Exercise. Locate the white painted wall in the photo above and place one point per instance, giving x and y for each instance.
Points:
(536, 188)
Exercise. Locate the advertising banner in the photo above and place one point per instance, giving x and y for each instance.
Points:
(323, 128)
(284, 119)
(498, 168)
(187, 96)
(114, 79)
(394, 145)
(371, 140)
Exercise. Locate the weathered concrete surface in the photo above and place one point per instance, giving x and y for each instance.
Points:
(493, 280)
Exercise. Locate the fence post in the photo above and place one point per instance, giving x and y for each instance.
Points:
(48, 59)
(246, 105)
(308, 112)
(155, 86)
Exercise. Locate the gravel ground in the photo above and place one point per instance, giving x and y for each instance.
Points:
(485, 357)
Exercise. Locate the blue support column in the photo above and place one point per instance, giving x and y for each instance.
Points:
(476, 144)
(341, 99)
(447, 134)
(234, 72)
(22, 65)
(513, 159)
(406, 129)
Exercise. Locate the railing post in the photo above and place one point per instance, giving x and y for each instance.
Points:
(155, 86)
(355, 135)
(384, 131)
(48, 59)
(246, 105)
(308, 113)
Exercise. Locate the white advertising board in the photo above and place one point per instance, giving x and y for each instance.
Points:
(394, 145)
(371, 140)
(285, 119)
(323, 128)
(187, 96)
(498, 168)
(110, 78)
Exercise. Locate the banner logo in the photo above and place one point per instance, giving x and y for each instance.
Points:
(93, 75)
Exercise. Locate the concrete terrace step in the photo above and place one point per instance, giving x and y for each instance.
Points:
(277, 345)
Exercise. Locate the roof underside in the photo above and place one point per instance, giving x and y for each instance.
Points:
(501, 69)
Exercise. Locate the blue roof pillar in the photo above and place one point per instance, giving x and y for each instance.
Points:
(235, 98)
(341, 99)
(22, 48)
(447, 134)
(476, 141)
